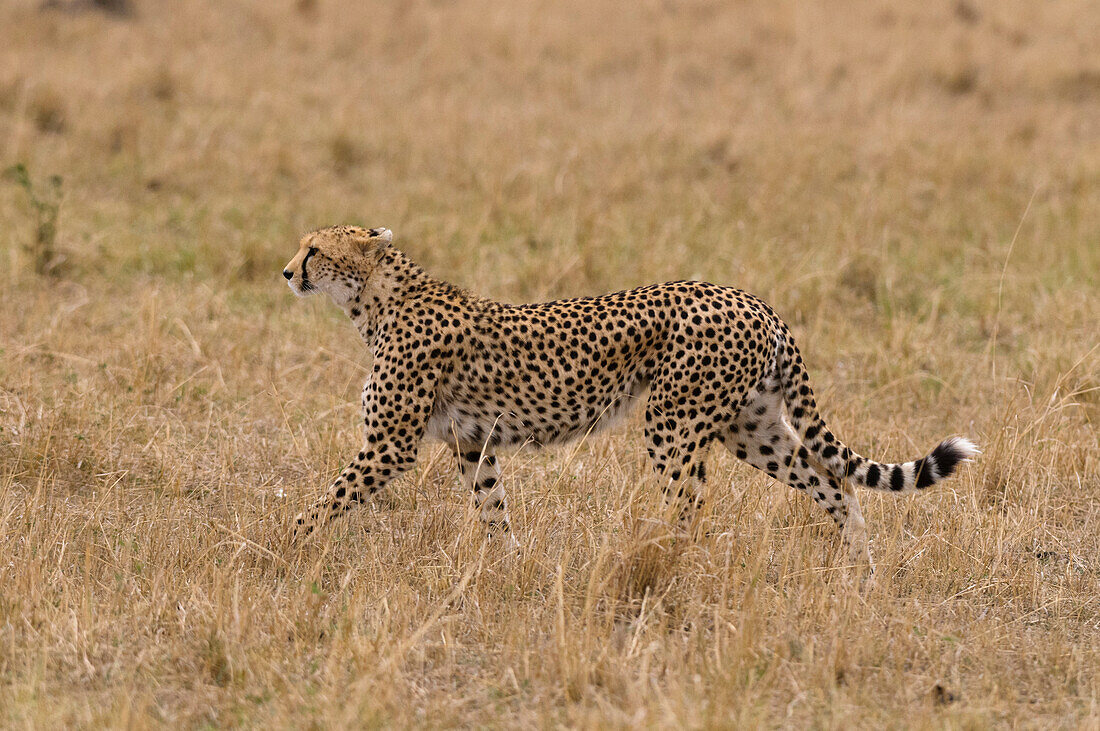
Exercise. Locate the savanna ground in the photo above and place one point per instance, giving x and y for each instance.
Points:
(915, 186)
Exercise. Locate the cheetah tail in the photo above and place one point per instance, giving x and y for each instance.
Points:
(840, 461)
(918, 474)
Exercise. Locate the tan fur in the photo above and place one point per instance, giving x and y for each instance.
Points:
(713, 365)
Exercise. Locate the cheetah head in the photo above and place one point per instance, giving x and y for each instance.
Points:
(337, 261)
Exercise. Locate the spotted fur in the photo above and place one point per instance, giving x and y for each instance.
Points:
(713, 365)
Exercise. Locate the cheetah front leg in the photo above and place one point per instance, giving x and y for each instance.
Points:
(481, 475)
(396, 406)
(372, 469)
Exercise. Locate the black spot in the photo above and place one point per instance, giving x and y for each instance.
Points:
(925, 473)
(897, 480)
(872, 476)
(941, 696)
(947, 456)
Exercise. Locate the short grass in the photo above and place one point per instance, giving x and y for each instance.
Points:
(915, 186)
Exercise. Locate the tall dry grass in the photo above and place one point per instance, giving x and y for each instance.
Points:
(914, 186)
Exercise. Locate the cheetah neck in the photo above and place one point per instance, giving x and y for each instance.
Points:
(395, 276)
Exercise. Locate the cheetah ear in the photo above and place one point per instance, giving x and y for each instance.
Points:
(373, 241)
(381, 236)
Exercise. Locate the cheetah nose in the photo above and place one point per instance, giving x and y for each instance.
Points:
(287, 274)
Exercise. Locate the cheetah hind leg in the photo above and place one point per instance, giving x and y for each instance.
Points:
(679, 461)
(763, 437)
(481, 475)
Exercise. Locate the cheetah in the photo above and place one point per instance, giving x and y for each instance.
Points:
(714, 365)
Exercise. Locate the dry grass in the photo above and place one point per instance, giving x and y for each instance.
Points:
(915, 186)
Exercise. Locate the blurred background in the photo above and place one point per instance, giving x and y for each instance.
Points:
(622, 144)
(914, 186)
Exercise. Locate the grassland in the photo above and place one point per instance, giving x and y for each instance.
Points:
(915, 186)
